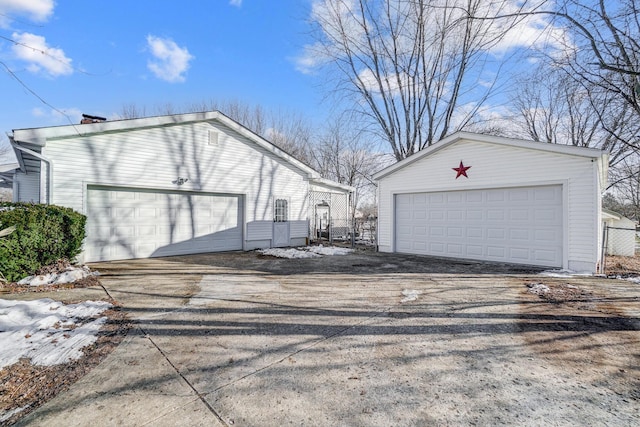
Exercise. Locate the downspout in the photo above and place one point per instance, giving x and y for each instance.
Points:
(42, 158)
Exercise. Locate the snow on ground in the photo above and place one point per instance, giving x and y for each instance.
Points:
(569, 273)
(70, 275)
(47, 331)
(410, 295)
(538, 288)
(563, 273)
(328, 250)
(305, 252)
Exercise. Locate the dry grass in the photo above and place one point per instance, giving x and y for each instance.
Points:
(622, 266)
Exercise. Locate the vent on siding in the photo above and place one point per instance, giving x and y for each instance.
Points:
(213, 138)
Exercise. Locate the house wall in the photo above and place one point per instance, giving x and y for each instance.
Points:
(26, 187)
(222, 162)
(499, 166)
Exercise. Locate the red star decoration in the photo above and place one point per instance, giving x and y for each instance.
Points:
(462, 170)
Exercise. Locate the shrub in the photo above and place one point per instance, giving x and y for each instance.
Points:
(43, 234)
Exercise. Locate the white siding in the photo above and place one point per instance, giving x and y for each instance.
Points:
(27, 187)
(299, 229)
(499, 166)
(155, 157)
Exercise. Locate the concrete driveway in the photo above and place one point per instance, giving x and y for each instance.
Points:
(365, 339)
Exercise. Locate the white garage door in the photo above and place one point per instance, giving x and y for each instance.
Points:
(126, 223)
(515, 225)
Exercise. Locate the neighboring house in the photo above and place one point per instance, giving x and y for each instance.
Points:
(620, 234)
(170, 185)
(490, 198)
(6, 174)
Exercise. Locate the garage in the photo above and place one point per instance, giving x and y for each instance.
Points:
(490, 198)
(125, 223)
(515, 225)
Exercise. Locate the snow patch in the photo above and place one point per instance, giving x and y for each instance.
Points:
(635, 279)
(70, 275)
(305, 252)
(290, 253)
(6, 415)
(410, 295)
(47, 331)
(563, 273)
(328, 250)
(538, 288)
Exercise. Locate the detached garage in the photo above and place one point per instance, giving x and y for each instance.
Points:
(172, 185)
(497, 199)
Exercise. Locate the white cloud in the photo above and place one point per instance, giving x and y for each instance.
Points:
(35, 10)
(52, 117)
(236, 3)
(170, 60)
(339, 22)
(33, 49)
(310, 59)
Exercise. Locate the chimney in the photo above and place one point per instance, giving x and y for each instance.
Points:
(86, 119)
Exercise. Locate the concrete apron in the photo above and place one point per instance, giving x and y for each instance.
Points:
(222, 346)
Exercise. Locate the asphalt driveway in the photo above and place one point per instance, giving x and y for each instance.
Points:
(363, 339)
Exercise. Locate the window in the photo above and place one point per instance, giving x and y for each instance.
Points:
(281, 210)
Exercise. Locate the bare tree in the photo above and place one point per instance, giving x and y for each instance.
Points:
(602, 57)
(409, 66)
(340, 154)
(589, 95)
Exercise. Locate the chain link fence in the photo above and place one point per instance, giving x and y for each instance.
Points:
(330, 215)
(367, 230)
(617, 242)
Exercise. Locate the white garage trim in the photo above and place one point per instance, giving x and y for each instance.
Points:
(124, 223)
(522, 225)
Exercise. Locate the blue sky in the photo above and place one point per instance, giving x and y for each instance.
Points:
(102, 56)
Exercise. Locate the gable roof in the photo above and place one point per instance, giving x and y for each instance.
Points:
(498, 140)
(35, 138)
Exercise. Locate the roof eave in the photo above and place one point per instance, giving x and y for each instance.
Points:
(334, 184)
(39, 136)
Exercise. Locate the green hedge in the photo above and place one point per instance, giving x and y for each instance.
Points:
(43, 234)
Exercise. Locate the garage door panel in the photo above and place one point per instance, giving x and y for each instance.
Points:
(474, 251)
(455, 197)
(436, 231)
(436, 215)
(475, 215)
(546, 215)
(543, 256)
(520, 225)
(127, 223)
(519, 195)
(496, 233)
(473, 197)
(522, 254)
(495, 215)
(454, 250)
(434, 198)
(520, 234)
(475, 233)
(437, 248)
(455, 215)
(455, 232)
(495, 196)
(519, 215)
